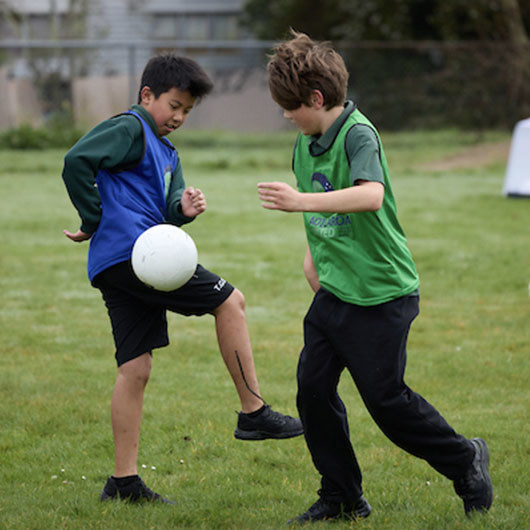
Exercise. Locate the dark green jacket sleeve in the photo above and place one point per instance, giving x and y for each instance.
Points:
(174, 196)
(113, 143)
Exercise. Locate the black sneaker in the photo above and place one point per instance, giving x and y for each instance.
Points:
(475, 486)
(324, 510)
(135, 491)
(268, 424)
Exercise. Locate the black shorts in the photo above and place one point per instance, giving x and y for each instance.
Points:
(138, 312)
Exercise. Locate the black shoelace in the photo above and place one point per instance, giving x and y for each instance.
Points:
(245, 380)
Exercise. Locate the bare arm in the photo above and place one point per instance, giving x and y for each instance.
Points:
(365, 197)
(310, 271)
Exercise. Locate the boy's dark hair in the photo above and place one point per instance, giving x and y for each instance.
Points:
(301, 65)
(167, 71)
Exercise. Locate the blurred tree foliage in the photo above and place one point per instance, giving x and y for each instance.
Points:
(507, 20)
(419, 62)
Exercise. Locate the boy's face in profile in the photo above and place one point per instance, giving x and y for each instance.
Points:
(169, 110)
(305, 117)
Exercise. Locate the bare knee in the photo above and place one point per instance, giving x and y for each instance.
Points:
(234, 303)
(137, 371)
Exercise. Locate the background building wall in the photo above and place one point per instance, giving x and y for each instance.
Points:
(101, 77)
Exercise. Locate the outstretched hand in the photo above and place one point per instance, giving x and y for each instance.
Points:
(78, 236)
(279, 196)
(193, 202)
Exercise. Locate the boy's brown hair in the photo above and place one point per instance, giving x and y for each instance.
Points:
(301, 65)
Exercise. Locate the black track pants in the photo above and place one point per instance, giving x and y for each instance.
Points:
(370, 342)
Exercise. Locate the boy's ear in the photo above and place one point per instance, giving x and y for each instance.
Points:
(316, 99)
(146, 94)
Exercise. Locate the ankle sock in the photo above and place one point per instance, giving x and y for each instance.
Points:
(256, 413)
(122, 482)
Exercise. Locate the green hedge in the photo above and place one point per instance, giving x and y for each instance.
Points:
(27, 137)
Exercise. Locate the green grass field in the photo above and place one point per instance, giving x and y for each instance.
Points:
(468, 351)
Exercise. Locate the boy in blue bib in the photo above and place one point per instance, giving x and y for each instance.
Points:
(123, 177)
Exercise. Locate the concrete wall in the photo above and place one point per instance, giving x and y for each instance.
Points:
(238, 105)
(97, 98)
(240, 102)
(19, 103)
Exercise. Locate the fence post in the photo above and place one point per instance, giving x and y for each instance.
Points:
(131, 53)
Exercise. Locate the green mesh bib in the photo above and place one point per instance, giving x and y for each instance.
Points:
(362, 258)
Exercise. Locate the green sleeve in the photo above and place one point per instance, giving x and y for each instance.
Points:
(363, 151)
(115, 142)
(174, 196)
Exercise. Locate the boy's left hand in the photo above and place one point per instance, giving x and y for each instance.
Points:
(193, 202)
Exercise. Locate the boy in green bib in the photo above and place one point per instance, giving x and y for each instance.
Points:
(366, 289)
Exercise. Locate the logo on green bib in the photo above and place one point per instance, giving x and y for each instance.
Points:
(320, 182)
(337, 225)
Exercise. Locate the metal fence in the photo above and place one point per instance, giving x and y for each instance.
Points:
(91, 79)
(473, 84)
(398, 84)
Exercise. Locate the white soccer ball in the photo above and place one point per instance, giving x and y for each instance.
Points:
(164, 257)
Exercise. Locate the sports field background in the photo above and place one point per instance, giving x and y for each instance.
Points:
(468, 351)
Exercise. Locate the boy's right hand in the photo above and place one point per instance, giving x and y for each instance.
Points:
(78, 236)
(280, 196)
